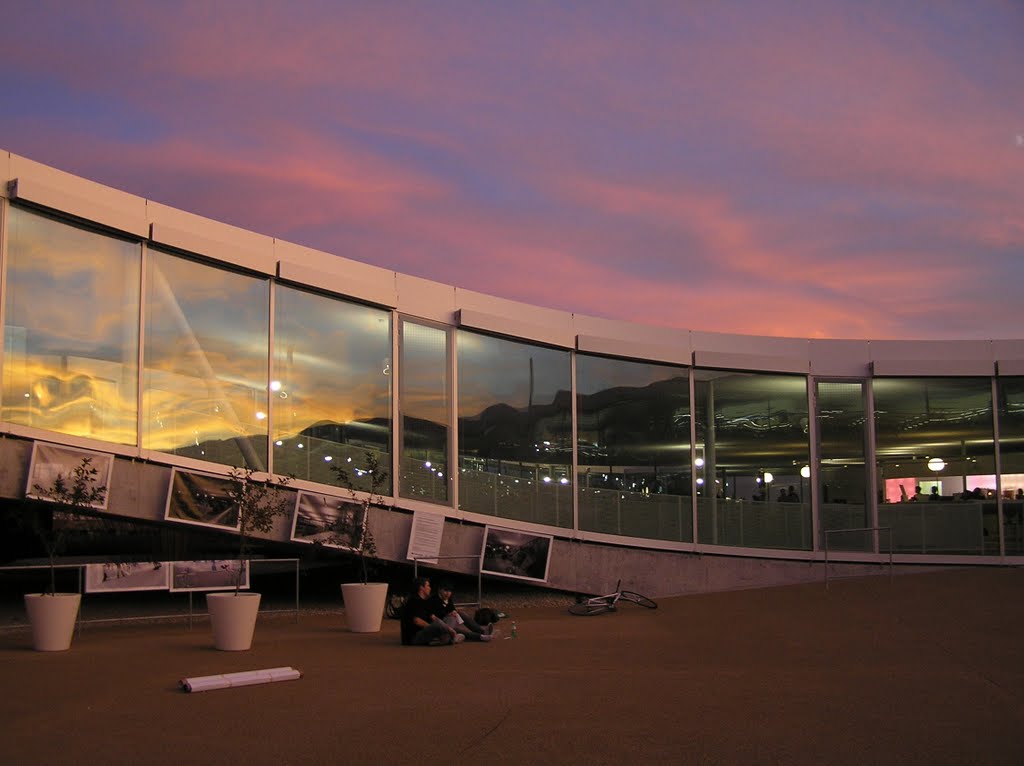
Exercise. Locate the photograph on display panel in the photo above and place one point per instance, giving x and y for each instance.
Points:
(51, 463)
(141, 575)
(510, 553)
(329, 521)
(212, 574)
(199, 498)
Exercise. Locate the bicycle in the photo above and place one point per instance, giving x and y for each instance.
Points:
(609, 603)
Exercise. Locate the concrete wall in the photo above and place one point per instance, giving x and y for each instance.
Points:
(138, 490)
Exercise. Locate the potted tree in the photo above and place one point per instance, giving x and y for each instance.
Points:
(258, 503)
(364, 600)
(52, 614)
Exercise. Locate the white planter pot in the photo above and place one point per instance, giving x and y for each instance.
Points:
(364, 605)
(233, 619)
(53, 619)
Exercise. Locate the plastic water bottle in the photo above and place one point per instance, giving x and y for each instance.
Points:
(515, 632)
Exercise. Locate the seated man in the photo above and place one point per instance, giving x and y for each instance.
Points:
(420, 627)
(442, 605)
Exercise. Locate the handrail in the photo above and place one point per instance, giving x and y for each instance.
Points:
(479, 575)
(827, 532)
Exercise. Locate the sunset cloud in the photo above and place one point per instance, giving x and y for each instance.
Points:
(832, 170)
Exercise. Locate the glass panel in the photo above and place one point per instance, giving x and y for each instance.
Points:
(331, 393)
(71, 330)
(634, 448)
(936, 464)
(206, 353)
(842, 474)
(752, 442)
(424, 400)
(515, 430)
(1011, 454)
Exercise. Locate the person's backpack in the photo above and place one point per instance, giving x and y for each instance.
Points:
(486, 616)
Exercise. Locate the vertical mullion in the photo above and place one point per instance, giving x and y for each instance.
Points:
(140, 374)
(271, 415)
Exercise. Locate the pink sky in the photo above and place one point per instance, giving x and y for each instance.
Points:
(813, 169)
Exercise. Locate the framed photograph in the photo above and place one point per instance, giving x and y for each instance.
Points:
(144, 575)
(316, 515)
(520, 555)
(50, 461)
(211, 574)
(200, 498)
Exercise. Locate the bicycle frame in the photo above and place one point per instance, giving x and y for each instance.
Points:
(609, 602)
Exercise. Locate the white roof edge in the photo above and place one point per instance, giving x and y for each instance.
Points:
(633, 349)
(933, 367)
(479, 320)
(382, 294)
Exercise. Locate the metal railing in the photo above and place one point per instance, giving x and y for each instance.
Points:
(79, 622)
(479, 576)
(828, 532)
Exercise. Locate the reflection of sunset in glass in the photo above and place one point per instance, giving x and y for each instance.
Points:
(329, 386)
(206, 374)
(70, 330)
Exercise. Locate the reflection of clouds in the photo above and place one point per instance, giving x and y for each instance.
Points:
(95, 277)
(77, 400)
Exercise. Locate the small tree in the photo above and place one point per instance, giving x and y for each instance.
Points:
(354, 530)
(258, 503)
(76, 490)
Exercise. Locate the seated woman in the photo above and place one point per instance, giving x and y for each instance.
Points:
(442, 604)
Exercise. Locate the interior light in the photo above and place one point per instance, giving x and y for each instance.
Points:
(563, 480)
(427, 464)
(328, 458)
(275, 385)
(936, 464)
(699, 462)
(768, 478)
(700, 482)
(806, 472)
(547, 479)
(261, 416)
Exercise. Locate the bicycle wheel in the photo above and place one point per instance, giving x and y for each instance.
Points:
(590, 608)
(636, 598)
(393, 607)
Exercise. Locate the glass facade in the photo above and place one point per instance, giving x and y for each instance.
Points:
(205, 362)
(116, 340)
(936, 464)
(842, 478)
(330, 392)
(1011, 457)
(71, 329)
(633, 442)
(424, 407)
(752, 446)
(515, 430)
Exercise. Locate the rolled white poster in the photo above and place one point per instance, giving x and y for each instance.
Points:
(243, 678)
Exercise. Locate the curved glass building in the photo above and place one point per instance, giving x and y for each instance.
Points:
(172, 341)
